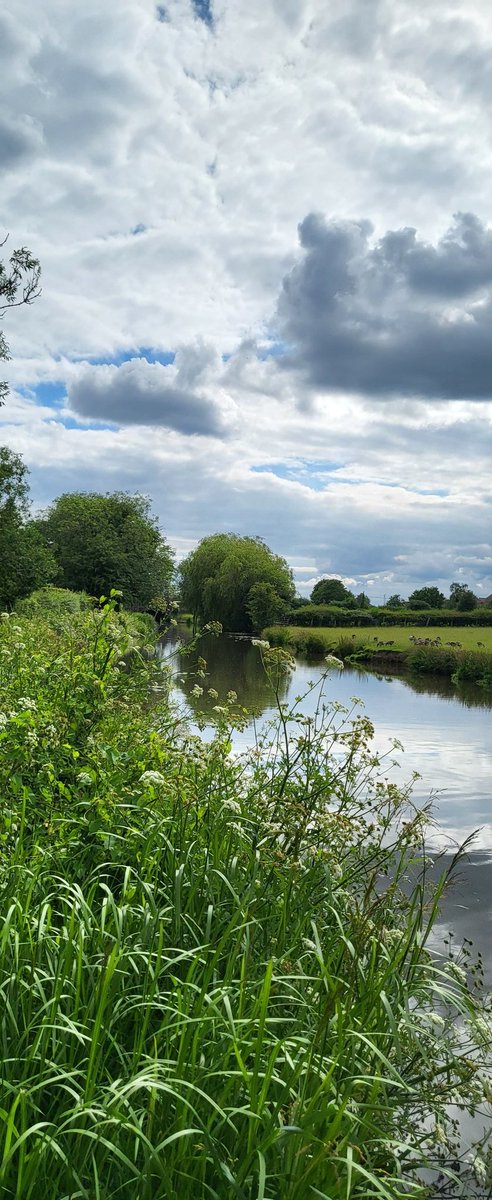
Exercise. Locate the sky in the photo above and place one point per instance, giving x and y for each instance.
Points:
(265, 232)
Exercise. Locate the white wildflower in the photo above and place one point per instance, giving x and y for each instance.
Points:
(197, 691)
(152, 777)
(440, 1134)
(213, 693)
(232, 697)
(457, 972)
(332, 661)
(479, 1168)
(484, 1028)
(4, 616)
(232, 804)
(436, 1019)
(3, 720)
(219, 708)
(261, 643)
(31, 737)
(84, 778)
(25, 703)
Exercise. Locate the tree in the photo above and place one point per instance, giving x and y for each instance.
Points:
(26, 562)
(332, 591)
(426, 597)
(462, 597)
(19, 284)
(108, 541)
(362, 600)
(264, 605)
(219, 578)
(395, 601)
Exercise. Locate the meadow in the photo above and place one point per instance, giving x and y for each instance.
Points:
(393, 637)
(215, 980)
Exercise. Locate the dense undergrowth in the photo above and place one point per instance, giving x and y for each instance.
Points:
(214, 980)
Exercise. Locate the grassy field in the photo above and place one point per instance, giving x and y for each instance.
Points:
(399, 636)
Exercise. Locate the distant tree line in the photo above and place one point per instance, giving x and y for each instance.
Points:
(333, 591)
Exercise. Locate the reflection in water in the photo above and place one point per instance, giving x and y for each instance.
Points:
(233, 664)
(445, 732)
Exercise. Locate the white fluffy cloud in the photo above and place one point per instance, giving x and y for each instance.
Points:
(159, 160)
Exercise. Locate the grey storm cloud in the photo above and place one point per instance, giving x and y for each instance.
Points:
(143, 393)
(394, 316)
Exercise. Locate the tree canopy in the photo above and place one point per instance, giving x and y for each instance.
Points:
(108, 541)
(331, 591)
(426, 597)
(26, 562)
(19, 284)
(462, 597)
(219, 581)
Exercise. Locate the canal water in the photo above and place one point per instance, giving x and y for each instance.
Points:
(445, 733)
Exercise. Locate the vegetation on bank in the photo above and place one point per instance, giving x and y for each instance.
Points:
(332, 615)
(464, 655)
(214, 977)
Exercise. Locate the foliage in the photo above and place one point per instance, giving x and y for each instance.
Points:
(264, 605)
(426, 597)
(363, 600)
(219, 580)
(100, 540)
(19, 284)
(462, 598)
(328, 614)
(214, 975)
(26, 562)
(395, 601)
(331, 591)
(334, 614)
(54, 600)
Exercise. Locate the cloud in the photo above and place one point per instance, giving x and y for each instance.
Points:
(394, 315)
(143, 393)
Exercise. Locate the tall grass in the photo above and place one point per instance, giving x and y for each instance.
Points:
(214, 973)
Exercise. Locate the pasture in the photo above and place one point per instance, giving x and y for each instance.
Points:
(389, 637)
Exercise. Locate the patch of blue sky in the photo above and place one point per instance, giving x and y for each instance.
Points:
(273, 350)
(165, 357)
(311, 474)
(203, 10)
(161, 13)
(50, 395)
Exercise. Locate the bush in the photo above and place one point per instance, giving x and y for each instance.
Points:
(54, 600)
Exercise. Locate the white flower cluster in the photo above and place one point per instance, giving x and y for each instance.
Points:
(197, 691)
(26, 704)
(332, 661)
(259, 642)
(152, 777)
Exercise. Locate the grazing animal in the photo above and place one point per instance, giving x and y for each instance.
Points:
(482, 645)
